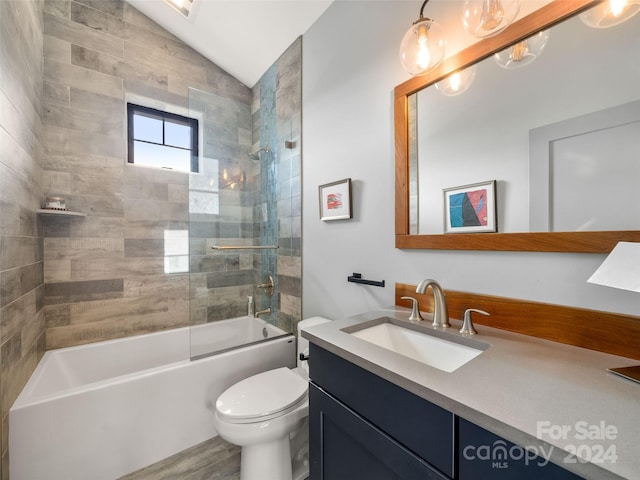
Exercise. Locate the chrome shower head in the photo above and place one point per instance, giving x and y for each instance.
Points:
(256, 155)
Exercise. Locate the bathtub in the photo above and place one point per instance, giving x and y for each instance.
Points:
(103, 410)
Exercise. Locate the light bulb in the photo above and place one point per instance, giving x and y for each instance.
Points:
(422, 47)
(483, 18)
(424, 58)
(523, 52)
(611, 13)
(457, 83)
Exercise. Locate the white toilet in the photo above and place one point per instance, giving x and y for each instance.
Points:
(267, 415)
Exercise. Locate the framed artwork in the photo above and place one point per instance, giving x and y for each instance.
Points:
(335, 200)
(470, 208)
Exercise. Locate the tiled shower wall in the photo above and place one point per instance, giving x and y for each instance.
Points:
(66, 71)
(21, 277)
(104, 274)
(277, 122)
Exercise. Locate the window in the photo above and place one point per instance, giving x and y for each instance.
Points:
(161, 139)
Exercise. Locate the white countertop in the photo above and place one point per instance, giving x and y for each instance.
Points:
(535, 393)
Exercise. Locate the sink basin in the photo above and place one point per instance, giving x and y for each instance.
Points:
(437, 349)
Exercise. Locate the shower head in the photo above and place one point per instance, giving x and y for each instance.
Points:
(256, 155)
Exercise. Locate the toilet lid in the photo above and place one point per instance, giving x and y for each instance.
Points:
(262, 395)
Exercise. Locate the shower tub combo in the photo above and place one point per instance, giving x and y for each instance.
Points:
(106, 409)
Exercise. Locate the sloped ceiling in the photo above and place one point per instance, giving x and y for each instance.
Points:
(244, 37)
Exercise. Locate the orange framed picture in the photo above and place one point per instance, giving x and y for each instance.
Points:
(335, 200)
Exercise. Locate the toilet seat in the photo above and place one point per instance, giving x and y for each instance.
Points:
(263, 396)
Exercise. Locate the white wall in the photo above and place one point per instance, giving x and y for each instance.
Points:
(350, 67)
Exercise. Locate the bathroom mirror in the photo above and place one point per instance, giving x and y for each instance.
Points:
(528, 230)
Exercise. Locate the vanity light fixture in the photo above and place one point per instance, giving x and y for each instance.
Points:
(523, 52)
(181, 6)
(610, 13)
(422, 47)
(484, 18)
(457, 82)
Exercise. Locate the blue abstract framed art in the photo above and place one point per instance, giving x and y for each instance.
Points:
(470, 208)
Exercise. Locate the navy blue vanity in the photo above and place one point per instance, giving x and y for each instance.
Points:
(364, 427)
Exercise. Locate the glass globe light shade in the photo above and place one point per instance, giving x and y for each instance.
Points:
(483, 18)
(522, 53)
(422, 47)
(610, 13)
(457, 82)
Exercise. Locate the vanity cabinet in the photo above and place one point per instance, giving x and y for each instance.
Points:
(345, 446)
(363, 426)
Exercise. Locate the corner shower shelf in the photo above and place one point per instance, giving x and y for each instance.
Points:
(59, 213)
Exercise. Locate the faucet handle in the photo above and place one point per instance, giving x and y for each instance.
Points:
(415, 309)
(467, 323)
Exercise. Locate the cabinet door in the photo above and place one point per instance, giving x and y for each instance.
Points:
(423, 428)
(344, 446)
(484, 455)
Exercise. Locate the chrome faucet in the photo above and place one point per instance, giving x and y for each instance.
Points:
(266, 311)
(440, 311)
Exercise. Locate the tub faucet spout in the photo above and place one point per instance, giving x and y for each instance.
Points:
(440, 311)
(266, 311)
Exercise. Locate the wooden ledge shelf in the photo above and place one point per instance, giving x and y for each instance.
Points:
(607, 332)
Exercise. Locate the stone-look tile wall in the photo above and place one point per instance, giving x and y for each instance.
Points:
(289, 121)
(67, 70)
(21, 264)
(104, 274)
(277, 122)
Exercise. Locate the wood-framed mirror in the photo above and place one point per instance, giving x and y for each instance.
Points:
(551, 241)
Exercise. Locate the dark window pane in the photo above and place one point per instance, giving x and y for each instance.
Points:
(147, 129)
(177, 135)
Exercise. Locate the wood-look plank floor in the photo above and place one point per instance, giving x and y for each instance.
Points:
(214, 459)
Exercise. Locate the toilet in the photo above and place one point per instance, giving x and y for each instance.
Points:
(267, 415)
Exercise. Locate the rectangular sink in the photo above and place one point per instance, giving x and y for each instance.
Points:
(435, 348)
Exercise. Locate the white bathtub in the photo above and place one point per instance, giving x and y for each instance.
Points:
(103, 410)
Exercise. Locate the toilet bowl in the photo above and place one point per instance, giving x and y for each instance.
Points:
(267, 415)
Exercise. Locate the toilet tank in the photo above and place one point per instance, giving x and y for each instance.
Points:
(303, 343)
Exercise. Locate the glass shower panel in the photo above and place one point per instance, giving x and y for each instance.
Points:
(231, 203)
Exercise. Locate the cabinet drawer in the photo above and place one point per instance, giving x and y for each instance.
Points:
(344, 446)
(420, 426)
